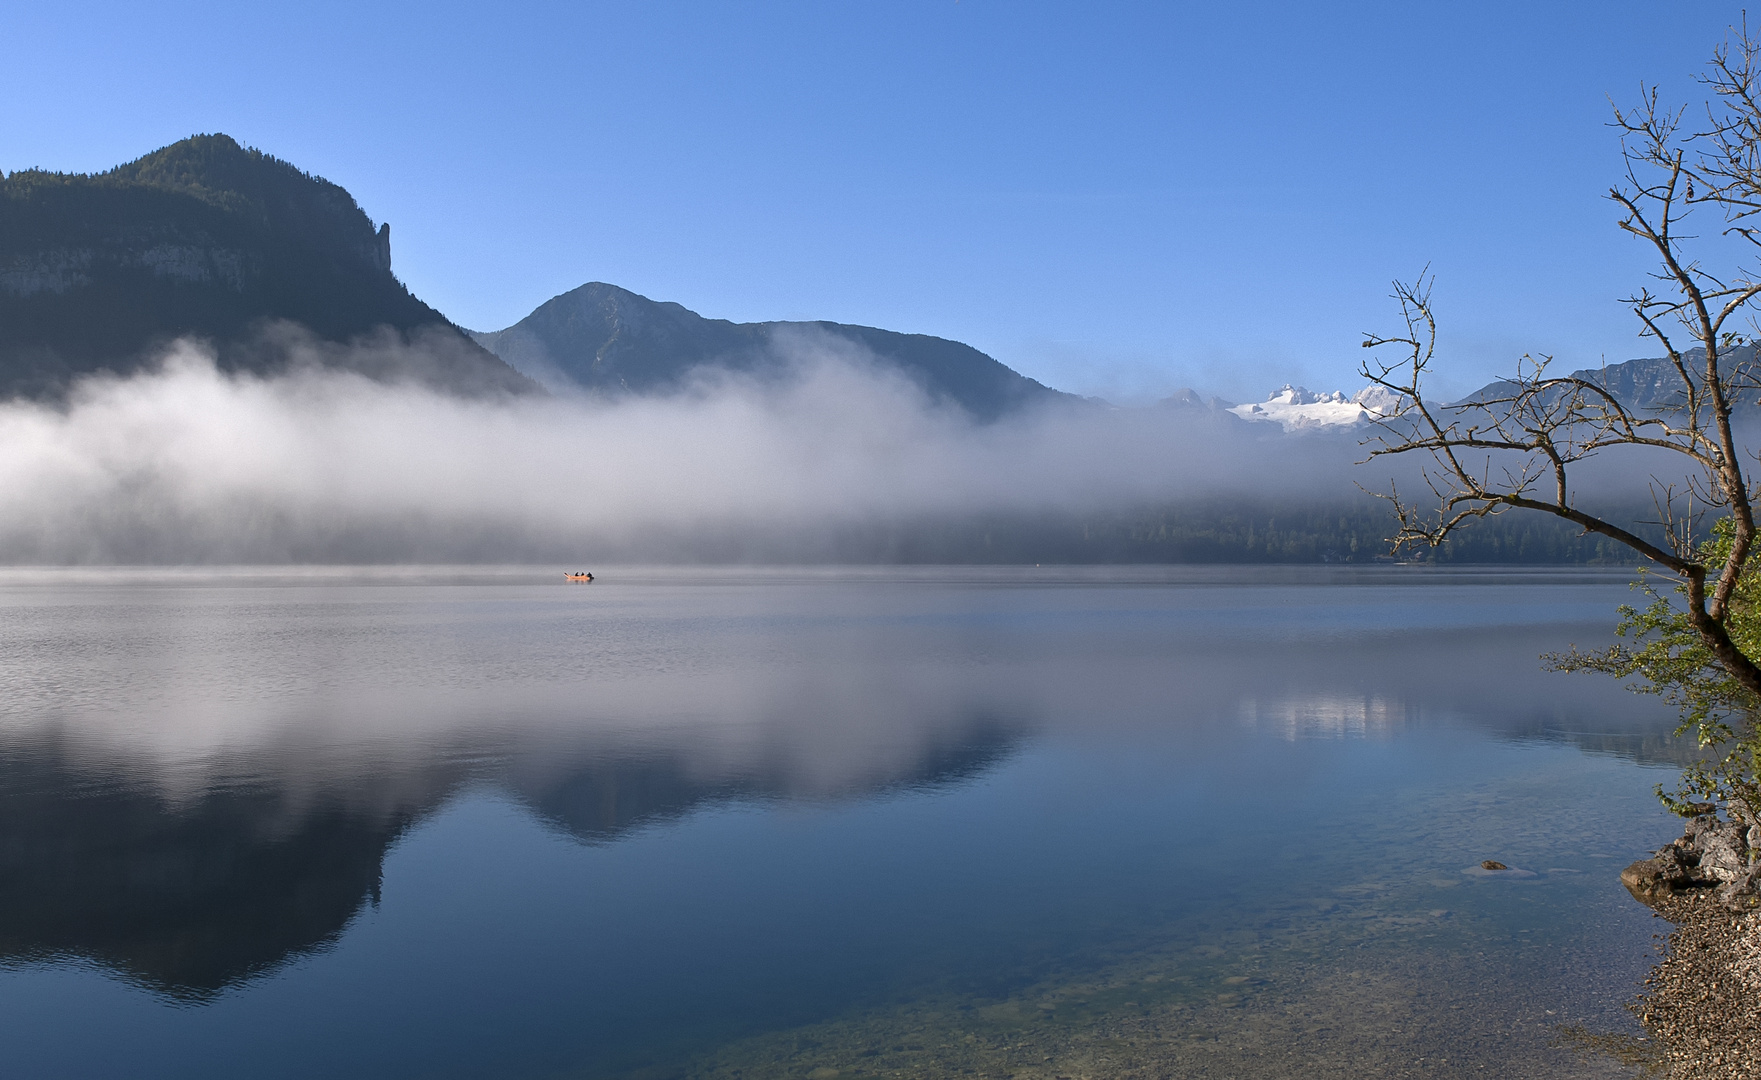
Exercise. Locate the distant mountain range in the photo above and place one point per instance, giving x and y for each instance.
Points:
(1646, 386)
(606, 339)
(1652, 383)
(207, 239)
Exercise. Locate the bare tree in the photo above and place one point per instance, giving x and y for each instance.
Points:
(1516, 447)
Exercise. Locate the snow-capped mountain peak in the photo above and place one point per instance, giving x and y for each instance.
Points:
(1296, 408)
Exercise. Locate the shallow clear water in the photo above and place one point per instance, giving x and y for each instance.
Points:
(1035, 822)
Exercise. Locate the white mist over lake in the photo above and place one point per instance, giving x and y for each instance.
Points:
(187, 463)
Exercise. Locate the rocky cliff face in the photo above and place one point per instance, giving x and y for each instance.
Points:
(201, 239)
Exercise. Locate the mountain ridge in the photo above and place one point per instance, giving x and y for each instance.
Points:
(206, 239)
(603, 338)
(1649, 383)
(1646, 385)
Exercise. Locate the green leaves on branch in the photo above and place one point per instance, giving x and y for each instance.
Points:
(1667, 657)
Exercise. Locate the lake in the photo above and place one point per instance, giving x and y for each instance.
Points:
(1029, 822)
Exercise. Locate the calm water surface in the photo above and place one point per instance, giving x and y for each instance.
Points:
(1031, 823)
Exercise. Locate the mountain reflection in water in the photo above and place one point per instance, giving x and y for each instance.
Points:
(193, 895)
(187, 898)
(705, 822)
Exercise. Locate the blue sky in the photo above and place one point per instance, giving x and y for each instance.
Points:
(1114, 198)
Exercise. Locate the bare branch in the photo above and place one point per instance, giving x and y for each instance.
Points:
(1516, 446)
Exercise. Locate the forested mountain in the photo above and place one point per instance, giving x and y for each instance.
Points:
(210, 240)
(600, 337)
(1651, 384)
(205, 238)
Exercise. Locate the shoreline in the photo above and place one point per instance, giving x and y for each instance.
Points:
(1702, 1005)
(1702, 1002)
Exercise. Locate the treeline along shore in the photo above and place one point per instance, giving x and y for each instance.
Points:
(1215, 531)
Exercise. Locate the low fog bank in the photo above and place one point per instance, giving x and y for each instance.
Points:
(829, 458)
(842, 460)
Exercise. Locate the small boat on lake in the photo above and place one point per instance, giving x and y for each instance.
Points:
(583, 577)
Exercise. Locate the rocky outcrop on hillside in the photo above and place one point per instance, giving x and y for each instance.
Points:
(209, 240)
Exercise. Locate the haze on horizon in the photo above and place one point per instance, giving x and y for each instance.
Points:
(182, 463)
(1115, 201)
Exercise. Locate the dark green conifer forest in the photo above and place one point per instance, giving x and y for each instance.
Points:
(208, 239)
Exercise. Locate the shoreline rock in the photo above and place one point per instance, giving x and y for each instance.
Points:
(1721, 856)
(1702, 1002)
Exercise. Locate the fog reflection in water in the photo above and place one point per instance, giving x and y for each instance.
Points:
(202, 774)
(1324, 715)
